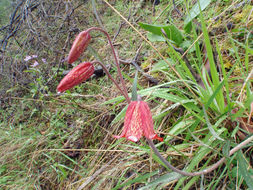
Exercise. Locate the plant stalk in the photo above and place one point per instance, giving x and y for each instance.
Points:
(116, 61)
(208, 170)
(112, 79)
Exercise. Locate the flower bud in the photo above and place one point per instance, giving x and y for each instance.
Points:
(76, 76)
(80, 44)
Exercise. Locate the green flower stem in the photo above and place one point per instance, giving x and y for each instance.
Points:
(112, 79)
(116, 60)
(208, 170)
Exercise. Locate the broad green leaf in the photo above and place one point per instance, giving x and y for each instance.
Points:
(155, 29)
(188, 27)
(172, 33)
(155, 38)
(187, 44)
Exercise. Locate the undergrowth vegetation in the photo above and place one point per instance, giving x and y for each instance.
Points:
(195, 63)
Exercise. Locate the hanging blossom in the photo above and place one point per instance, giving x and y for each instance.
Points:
(76, 76)
(138, 122)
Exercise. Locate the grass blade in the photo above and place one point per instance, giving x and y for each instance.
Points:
(243, 168)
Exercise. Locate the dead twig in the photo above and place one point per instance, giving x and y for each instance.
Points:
(96, 14)
(91, 178)
(138, 68)
(121, 25)
(176, 9)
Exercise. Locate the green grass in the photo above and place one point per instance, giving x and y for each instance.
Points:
(63, 142)
(4, 11)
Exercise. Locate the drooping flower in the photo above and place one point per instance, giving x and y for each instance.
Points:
(76, 76)
(80, 44)
(138, 122)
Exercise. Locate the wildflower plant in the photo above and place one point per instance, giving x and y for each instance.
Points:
(138, 119)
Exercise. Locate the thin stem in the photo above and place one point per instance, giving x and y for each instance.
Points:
(112, 79)
(116, 60)
(213, 167)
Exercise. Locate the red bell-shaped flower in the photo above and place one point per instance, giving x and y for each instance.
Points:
(80, 44)
(138, 122)
(76, 76)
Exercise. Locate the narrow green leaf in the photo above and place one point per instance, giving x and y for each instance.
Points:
(94, 53)
(224, 73)
(209, 125)
(243, 168)
(215, 93)
(149, 91)
(186, 70)
(179, 128)
(120, 115)
(162, 180)
(123, 175)
(214, 73)
(134, 89)
(167, 96)
(194, 12)
(141, 178)
(202, 152)
(226, 148)
(117, 99)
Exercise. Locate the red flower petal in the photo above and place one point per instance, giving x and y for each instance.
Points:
(138, 122)
(80, 44)
(132, 130)
(76, 76)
